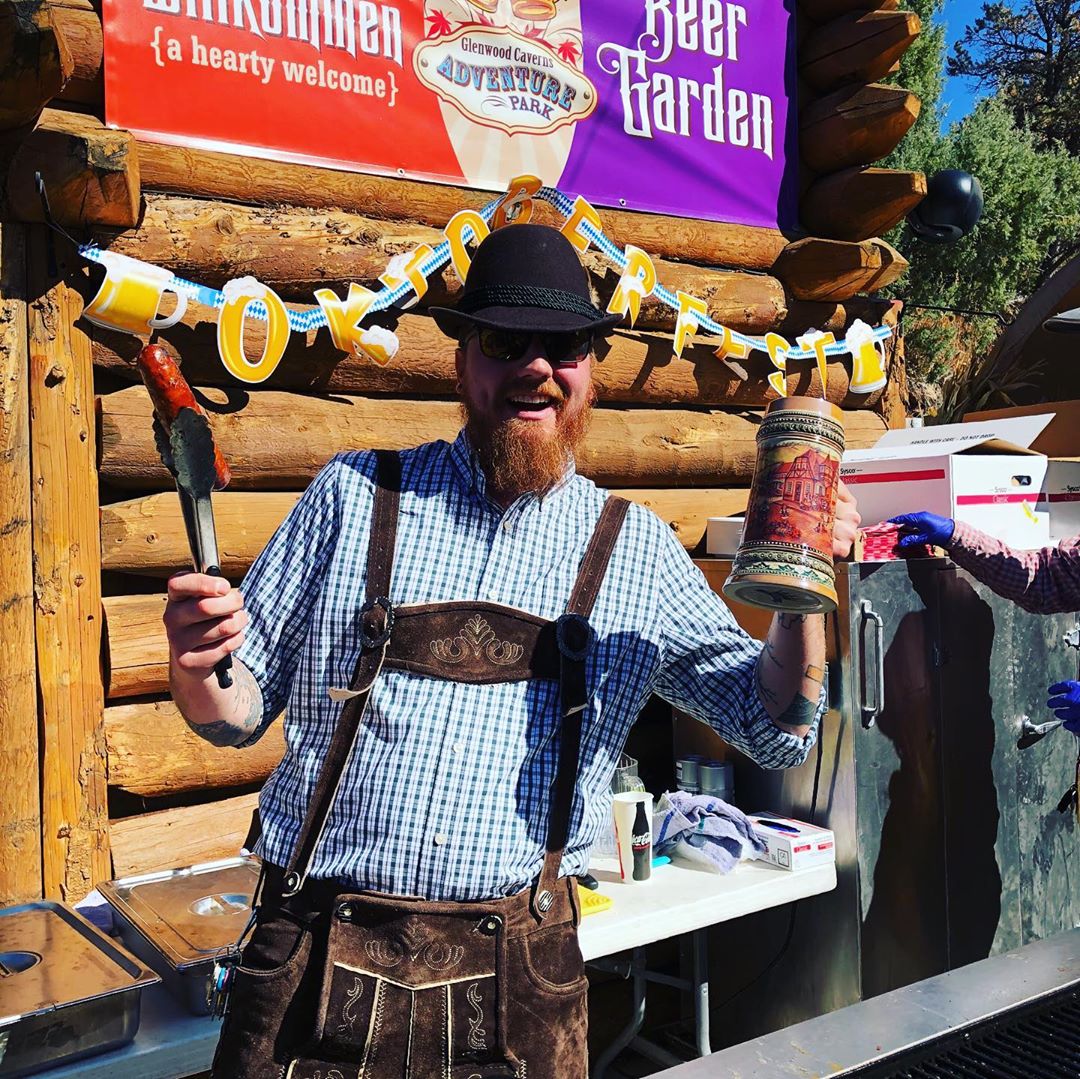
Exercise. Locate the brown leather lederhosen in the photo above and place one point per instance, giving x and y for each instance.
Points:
(339, 985)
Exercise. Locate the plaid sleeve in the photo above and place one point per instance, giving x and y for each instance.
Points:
(708, 666)
(1045, 581)
(281, 588)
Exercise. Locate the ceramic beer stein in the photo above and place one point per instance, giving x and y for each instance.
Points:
(784, 562)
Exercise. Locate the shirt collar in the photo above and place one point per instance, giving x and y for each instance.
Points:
(466, 464)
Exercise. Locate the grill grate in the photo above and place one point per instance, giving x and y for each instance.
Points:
(1038, 1041)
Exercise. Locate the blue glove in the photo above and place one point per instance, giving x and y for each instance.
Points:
(918, 529)
(1066, 704)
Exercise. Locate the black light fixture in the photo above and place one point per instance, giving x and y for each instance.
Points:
(951, 209)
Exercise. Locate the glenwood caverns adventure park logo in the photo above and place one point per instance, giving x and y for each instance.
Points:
(500, 78)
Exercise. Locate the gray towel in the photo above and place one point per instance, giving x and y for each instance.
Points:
(703, 831)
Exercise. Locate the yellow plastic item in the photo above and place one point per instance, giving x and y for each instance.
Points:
(592, 902)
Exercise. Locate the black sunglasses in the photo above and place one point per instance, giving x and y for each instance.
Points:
(508, 346)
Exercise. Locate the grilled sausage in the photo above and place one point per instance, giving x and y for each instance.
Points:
(169, 393)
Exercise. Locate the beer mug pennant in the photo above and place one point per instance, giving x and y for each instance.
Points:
(867, 358)
(130, 299)
(130, 296)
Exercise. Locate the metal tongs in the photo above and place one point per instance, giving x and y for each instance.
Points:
(187, 451)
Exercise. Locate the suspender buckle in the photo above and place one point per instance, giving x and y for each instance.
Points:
(371, 636)
(574, 636)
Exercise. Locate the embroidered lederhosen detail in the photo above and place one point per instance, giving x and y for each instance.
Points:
(413, 988)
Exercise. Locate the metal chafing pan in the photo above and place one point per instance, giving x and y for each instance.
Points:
(179, 920)
(66, 989)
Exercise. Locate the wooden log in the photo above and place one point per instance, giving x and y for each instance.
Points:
(215, 175)
(859, 47)
(860, 203)
(855, 125)
(624, 447)
(79, 28)
(823, 11)
(91, 172)
(893, 265)
(171, 838)
(632, 367)
(146, 536)
(20, 806)
(35, 61)
(815, 269)
(153, 753)
(67, 591)
(136, 652)
(296, 251)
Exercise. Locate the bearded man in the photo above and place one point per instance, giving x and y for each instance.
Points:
(460, 637)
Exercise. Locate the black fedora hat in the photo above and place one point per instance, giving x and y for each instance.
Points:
(526, 278)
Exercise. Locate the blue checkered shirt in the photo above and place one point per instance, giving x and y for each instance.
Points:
(446, 795)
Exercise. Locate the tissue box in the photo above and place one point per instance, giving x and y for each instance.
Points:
(793, 844)
(880, 543)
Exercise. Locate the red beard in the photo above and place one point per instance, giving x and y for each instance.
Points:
(516, 457)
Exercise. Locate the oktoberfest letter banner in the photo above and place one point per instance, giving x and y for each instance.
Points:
(679, 107)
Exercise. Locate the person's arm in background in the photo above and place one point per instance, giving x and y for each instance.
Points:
(1045, 581)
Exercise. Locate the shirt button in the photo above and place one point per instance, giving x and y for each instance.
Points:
(440, 839)
(456, 747)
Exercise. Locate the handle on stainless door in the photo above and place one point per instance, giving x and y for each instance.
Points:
(872, 703)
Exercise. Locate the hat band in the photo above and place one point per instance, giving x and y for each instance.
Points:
(527, 296)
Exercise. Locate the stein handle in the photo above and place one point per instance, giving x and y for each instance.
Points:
(163, 323)
(872, 707)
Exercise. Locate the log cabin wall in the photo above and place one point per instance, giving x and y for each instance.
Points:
(101, 776)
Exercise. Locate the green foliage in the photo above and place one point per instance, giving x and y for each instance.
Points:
(1030, 59)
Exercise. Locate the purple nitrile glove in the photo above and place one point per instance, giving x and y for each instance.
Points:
(1065, 704)
(919, 529)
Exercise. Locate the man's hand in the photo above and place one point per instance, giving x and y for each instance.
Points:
(846, 522)
(922, 529)
(1065, 703)
(204, 621)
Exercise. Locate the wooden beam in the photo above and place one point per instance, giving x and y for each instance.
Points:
(279, 441)
(20, 806)
(855, 126)
(632, 367)
(91, 172)
(859, 47)
(823, 11)
(860, 203)
(153, 753)
(34, 61)
(146, 535)
(893, 265)
(136, 653)
(815, 269)
(171, 838)
(296, 251)
(79, 28)
(67, 590)
(207, 174)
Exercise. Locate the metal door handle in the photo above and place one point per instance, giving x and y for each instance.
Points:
(871, 706)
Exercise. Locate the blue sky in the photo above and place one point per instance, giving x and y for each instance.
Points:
(959, 94)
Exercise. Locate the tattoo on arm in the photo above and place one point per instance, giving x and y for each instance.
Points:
(790, 621)
(764, 692)
(800, 713)
(770, 651)
(814, 674)
(247, 713)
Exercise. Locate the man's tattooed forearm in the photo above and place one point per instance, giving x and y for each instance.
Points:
(770, 651)
(764, 692)
(800, 713)
(247, 713)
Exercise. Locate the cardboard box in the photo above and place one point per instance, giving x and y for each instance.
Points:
(1061, 498)
(723, 535)
(796, 844)
(981, 473)
(1059, 438)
